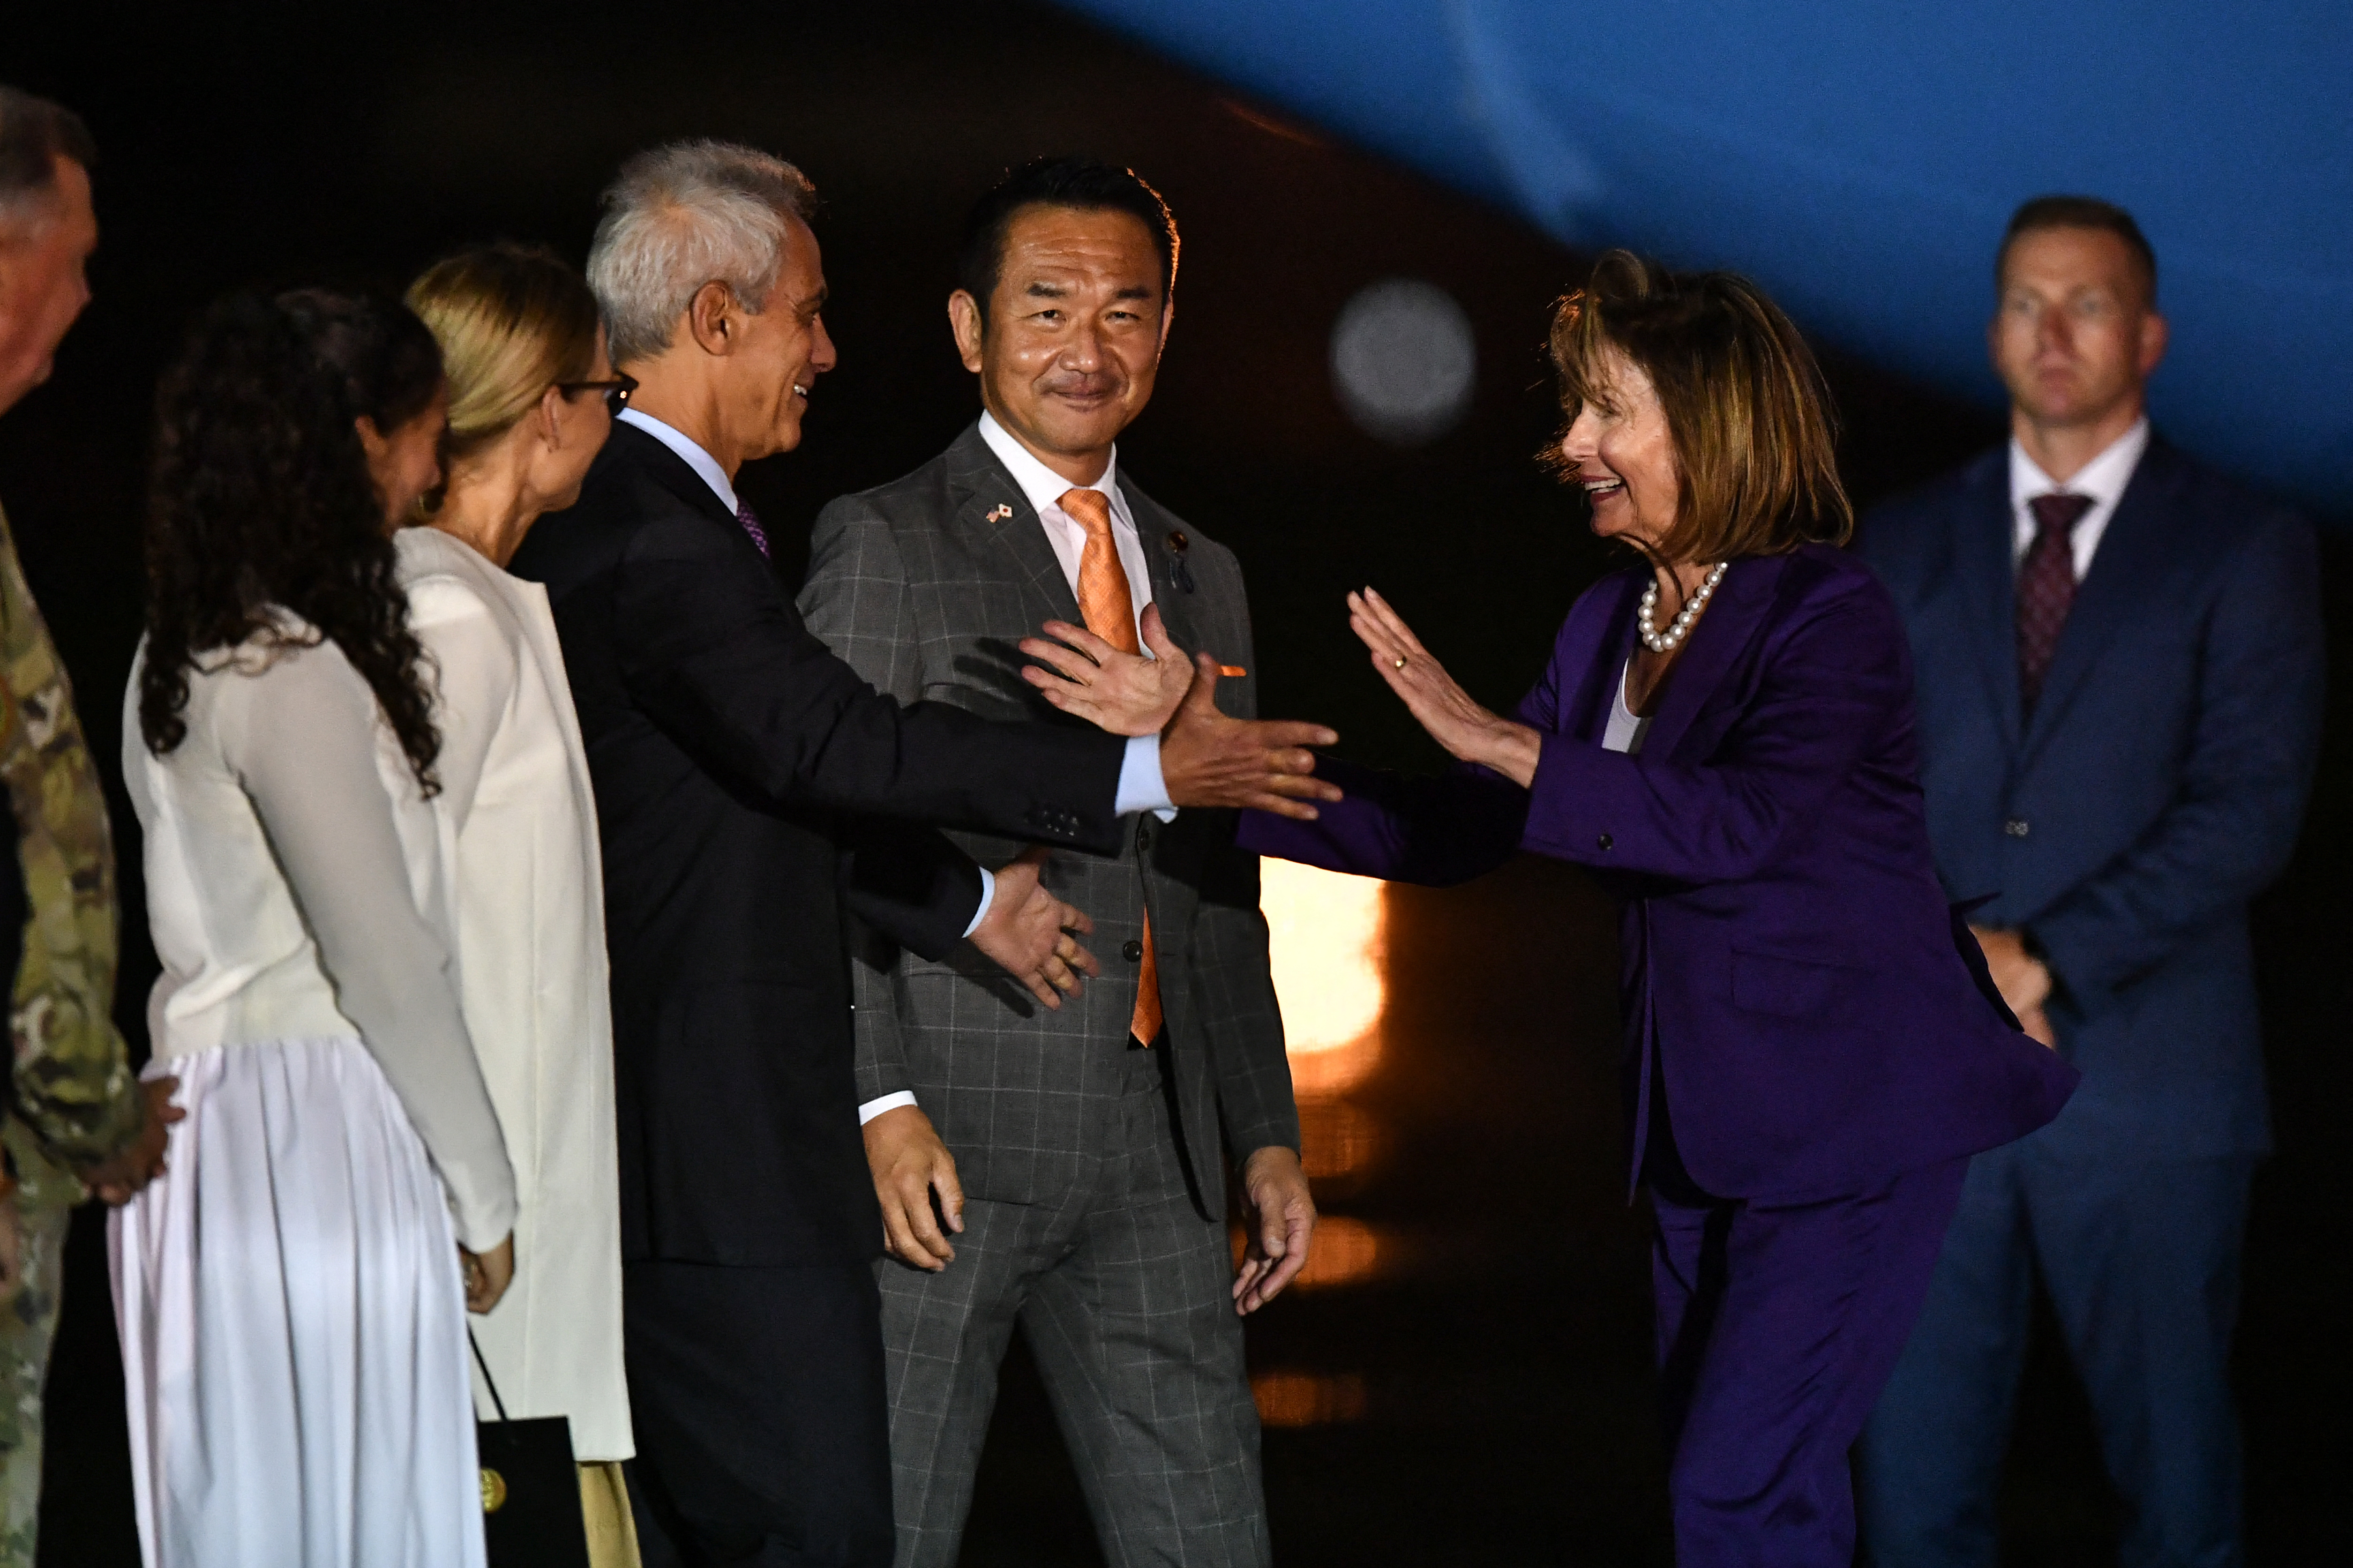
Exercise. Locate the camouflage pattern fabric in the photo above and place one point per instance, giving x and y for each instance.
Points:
(74, 1101)
(28, 1321)
(72, 1078)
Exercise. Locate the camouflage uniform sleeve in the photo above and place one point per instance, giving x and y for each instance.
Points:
(71, 1081)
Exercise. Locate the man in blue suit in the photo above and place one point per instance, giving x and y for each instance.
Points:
(2120, 669)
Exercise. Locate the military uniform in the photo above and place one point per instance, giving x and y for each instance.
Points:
(74, 1099)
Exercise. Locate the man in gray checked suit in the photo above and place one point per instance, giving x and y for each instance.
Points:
(1077, 1156)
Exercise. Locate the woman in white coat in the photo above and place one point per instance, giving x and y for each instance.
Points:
(288, 1294)
(529, 390)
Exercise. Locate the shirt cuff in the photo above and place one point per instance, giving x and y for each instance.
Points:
(1141, 786)
(987, 897)
(874, 1108)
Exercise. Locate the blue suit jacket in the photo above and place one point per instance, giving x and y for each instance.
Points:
(2157, 788)
(1790, 963)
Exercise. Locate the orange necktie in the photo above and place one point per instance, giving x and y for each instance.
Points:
(1109, 610)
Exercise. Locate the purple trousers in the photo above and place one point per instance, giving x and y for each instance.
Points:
(1777, 1326)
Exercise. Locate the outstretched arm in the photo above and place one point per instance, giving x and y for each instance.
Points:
(714, 654)
(724, 663)
(1205, 757)
(1433, 831)
(1470, 732)
(1825, 690)
(1824, 694)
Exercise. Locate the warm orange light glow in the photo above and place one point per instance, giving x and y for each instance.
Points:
(1337, 1140)
(1326, 935)
(1327, 943)
(1336, 1071)
(1343, 1252)
(1303, 1399)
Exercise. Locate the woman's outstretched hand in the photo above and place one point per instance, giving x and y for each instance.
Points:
(1466, 730)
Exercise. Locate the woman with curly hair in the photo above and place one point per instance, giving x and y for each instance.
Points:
(289, 1295)
(529, 390)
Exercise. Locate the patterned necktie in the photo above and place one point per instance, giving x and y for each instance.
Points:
(2046, 588)
(750, 521)
(1108, 607)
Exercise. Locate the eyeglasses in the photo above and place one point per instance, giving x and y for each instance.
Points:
(617, 390)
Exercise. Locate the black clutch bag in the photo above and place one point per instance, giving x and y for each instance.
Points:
(531, 1488)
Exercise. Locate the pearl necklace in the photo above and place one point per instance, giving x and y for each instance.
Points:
(1659, 641)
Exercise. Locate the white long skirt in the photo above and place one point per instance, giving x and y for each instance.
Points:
(293, 1325)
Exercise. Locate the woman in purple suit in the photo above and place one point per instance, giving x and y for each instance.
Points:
(1724, 735)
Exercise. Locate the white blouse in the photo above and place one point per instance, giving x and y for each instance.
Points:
(289, 852)
(1624, 729)
(525, 916)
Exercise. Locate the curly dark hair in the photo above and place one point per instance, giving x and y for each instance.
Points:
(261, 499)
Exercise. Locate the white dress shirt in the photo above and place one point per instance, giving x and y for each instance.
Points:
(1141, 787)
(1044, 490)
(706, 467)
(2103, 479)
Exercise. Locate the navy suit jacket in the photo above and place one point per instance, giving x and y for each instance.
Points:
(2156, 789)
(1790, 960)
(725, 745)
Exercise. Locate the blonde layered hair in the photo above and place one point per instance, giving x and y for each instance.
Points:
(512, 321)
(1756, 441)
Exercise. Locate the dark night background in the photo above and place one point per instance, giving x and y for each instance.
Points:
(1494, 1373)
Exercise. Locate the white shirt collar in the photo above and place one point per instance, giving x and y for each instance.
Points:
(705, 466)
(2103, 479)
(1041, 486)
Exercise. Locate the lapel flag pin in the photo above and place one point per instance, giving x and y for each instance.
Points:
(1177, 545)
(999, 512)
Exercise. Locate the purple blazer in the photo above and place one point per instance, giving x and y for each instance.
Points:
(1822, 1019)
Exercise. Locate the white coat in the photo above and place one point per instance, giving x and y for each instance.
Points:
(517, 825)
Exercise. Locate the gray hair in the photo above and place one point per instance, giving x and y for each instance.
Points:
(34, 134)
(683, 215)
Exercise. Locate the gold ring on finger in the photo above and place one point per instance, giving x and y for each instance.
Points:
(1400, 661)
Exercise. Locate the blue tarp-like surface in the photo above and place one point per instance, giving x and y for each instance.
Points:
(1861, 158)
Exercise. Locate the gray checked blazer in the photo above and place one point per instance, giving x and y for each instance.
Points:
(926, 596)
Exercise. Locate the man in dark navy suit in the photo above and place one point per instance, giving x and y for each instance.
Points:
(2120, 670)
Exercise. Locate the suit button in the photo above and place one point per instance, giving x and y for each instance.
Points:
(1132, 952)
(1605, 842)
(1143, 836)
(2017, 827)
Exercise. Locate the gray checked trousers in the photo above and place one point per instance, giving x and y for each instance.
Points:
(1123, 1293)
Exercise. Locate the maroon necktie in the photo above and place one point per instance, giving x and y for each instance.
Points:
(750, 521)
(2046, 588)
